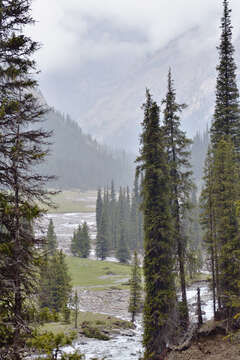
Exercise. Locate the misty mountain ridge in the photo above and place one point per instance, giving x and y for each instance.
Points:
(79, 161)
(115, 117)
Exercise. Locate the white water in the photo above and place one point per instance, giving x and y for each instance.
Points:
(124, 347)
(121, 347)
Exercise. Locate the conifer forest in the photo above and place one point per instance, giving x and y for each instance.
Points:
(119, 180)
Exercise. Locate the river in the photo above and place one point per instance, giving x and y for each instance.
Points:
(128, 344)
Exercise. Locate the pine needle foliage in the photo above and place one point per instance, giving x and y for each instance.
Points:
(55, 283)
(158, 233)
(221, 192)
(23, 146)
(226, 189)
(102, 245)
(122, 252)
(80, 243)
(226, 120)
(178, 150)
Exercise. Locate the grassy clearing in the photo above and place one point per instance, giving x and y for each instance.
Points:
(69, 201)
(88, 320)
(97, 274)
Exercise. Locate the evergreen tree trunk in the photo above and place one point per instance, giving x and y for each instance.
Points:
(135, 288)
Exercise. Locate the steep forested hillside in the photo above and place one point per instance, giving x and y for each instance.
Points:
(79, 161)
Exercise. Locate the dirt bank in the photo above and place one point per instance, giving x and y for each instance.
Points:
(213, 347)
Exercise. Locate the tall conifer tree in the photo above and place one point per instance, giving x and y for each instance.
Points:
(180, 178)
(227, 112)
(226, 188)
(23, 145)
(102, 246)
(122, 252)
(113, 217)
(99, 209)
(225, 137)
(158, 260)
(55, 283)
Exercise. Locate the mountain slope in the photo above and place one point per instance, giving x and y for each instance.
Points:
(115, 118)
(79, 161)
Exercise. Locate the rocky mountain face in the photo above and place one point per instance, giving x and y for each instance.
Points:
(116, 116)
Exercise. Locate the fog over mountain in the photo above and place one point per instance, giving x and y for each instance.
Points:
(98, 57)
(116, 116)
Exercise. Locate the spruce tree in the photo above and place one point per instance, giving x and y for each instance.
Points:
(113, 217)
(122, 253)
(221, 191)
(80, 243)
(51, 238)
(158, 241)
(106, 210)
(135, 288)
(226, 187)
(99, 209)
(180, 178)
(85, 245)
(226, 121)
(102, 247)
(74, 247)
(219, 220)
(23, 145)
(55, 283)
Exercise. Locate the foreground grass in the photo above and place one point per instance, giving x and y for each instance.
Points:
(68, 201)
(98, 274)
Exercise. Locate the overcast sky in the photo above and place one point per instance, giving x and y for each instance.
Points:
(74, 33)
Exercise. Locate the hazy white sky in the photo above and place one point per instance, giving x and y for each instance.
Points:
(75, 32)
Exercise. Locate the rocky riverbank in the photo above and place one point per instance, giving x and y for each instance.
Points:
(112, 302)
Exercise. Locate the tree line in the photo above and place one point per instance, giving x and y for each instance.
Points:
(119, 222)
